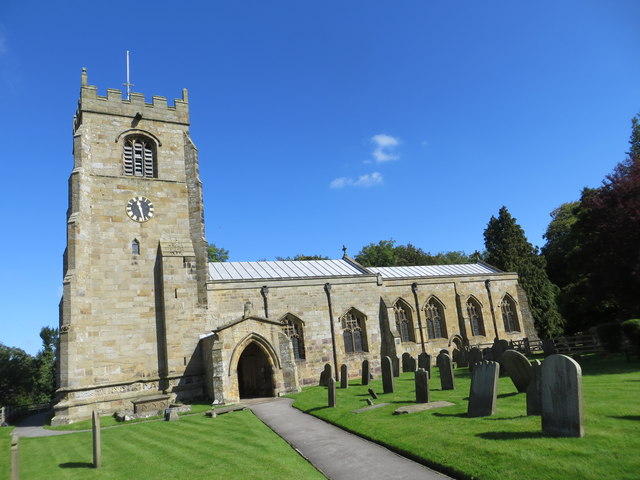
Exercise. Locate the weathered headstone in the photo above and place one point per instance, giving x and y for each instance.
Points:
(445, 351)
(549, 347)
(15, 458)
(484, 389)
(424, 362)
(447, 379)
(344, 376)
(331, 392)
(325, 375)
(534, 401)
(369, 401)
(460, 356)
(373, 394)
(171, 415)
(97, 444)
(365, 372)
(519, 369)
(395, 363)
(498, 348)
(475, 356)
(406, 362)
(487, 354)
(387, 375)
(422, 386)
(561, 389)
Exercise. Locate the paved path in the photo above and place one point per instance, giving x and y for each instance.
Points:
(337, 454)
(32, 427)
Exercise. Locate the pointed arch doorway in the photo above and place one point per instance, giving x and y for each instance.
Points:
(255, 374)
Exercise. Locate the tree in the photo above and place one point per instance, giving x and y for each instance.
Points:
(45, 375)
(17, 370)
(509, 250)
(386, 254)
(303, 257)
(216, 254)
(382, 254)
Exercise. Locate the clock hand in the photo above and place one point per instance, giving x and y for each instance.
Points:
(139, 208)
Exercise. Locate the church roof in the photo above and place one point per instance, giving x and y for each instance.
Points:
(333, 268)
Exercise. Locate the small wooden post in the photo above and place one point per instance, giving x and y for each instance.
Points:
(15, 458)
(97, 446)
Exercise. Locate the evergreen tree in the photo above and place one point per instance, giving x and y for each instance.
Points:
(508, 249)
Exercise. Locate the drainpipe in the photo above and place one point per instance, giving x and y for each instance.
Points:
(414, 289)
(327, 289)
(264, 291)
(487, 284)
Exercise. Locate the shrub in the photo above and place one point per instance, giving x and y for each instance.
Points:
(631, 329)
(610, 335)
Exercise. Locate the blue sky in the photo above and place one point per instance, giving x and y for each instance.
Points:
(321, 123)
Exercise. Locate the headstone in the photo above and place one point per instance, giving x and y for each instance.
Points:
(344, 377)
(549, 347)
(171, 414)
(534, 401)
(475, 356)
(519, 369)
(365, 372)
(498, 348)
(422, 386)
(447, 380)
(487, 354)
(484, 389)
(369, 401)
(15, 458)
(373, 394)
(406, 362)
(97, 445)
(395, 361)
(387, 375)
(332, 392)
(561, 389)
(445, 351)
(325, 375)
(461, 356)
(413, 366)
(424, 362)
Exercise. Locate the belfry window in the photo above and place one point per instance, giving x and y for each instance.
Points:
(474, 309)
(292, 327)
(139, 159)
(436, 327)
(135, 247)
(509, 315)
(404, 321)
(354, 332)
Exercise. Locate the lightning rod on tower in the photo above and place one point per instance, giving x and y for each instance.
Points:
(128, 84)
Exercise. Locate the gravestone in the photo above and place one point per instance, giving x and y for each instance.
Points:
(413, 366)
(331, 392)
(15, 458)
(97, 444)
(369, 401)
(424, 362)
(325, 375)
(534, 401)
(373, 394)
(395, 362)
(344, 377)
(387, 375)
(561, 391)
(519, 369)
(445, 351)
(406, 362)
(365, 372)
(484, 389)
(422, 386)
(447, 380)
(460, 356)
(475, 356)
(171, 415)
(498, 348)
(487, 354)
(549, 347)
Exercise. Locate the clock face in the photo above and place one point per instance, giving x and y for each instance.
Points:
(140, 209)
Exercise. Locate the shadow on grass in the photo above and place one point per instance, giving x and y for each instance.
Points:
(509, 435)
(627, 417)
(498, 419)
(450, 415)
(505, 395)
(76, 465)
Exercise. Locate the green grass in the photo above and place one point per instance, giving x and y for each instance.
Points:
(5, 451)
(235, 445)
(508, 445)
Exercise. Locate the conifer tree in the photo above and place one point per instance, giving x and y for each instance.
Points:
(508, 249)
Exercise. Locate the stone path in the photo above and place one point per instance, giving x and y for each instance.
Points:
(33, 427)
(337, 454)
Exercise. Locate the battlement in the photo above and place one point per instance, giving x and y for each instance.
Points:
(114, 104)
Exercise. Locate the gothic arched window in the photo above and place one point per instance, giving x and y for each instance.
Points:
(474, 309)
(135, 247)
(139, 157)
(436, 327)
(354, 332)
(509, 315)
(292, 327)
(404, 321)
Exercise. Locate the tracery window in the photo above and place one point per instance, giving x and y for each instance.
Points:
(509, 315)
(292, 327)
(404, 321)
(436, 327)
(139, 159)
(474, 309)
(354, 332)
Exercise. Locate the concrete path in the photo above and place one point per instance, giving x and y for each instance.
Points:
(339, 455)
(33, 427)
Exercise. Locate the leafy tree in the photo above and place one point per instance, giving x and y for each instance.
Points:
(45, 374)
(509, 250)
(17, 369)
(303, 257)
(382, 254)
(217, 254)
(386, 254)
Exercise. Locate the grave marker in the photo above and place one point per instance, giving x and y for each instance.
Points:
(97, 444)
(424, 362)
(373, 394)
(422, 386)
(365, 372)
(344, 377)
(331, 392)
(395, 362)
(475, 356)
(325, 375)
(534, 400)
(387, 375)
(519, 369)
(561, 391)
(484, 389)
(447, 379)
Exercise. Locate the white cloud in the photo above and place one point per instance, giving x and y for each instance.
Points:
(365, 181)
(385, 150)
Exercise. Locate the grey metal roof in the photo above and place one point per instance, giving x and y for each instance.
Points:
(433, 270)
(281, 269)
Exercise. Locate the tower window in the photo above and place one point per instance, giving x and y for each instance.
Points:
(139, 159)
(135, 247)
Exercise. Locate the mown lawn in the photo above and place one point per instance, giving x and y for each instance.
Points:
(508, 445)
(235, 445)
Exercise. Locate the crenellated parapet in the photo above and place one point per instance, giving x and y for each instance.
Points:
(135, 107)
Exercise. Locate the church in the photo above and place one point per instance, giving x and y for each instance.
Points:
(147, 321)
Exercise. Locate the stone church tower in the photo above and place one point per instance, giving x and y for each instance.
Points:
(135, 266)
